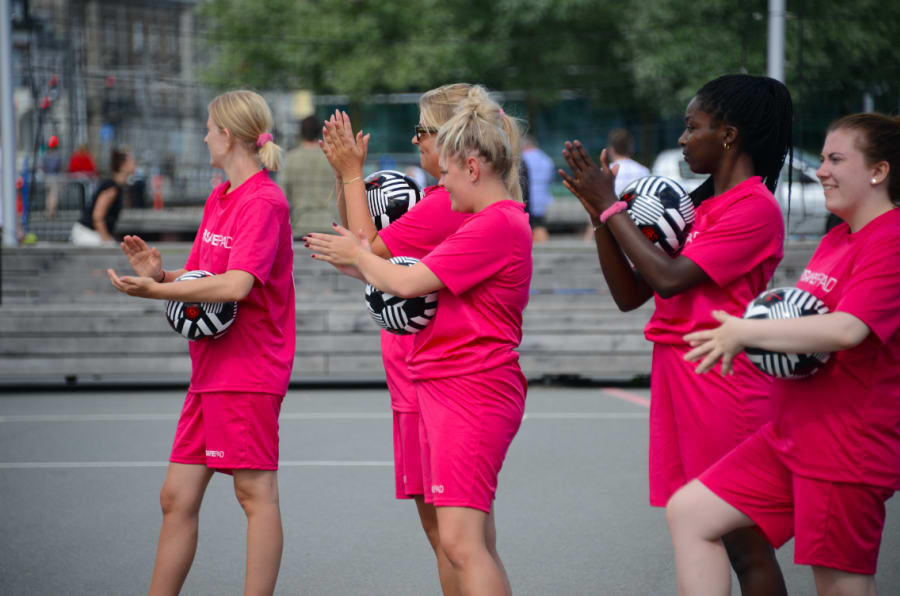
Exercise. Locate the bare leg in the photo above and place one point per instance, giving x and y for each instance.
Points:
(257, 492)
(428, 516)
(490, 539)
(833, 582)
(180, 498)
(753, 560)
(462, 532)
(698, 519)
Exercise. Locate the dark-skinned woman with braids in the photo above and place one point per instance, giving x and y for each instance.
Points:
(737, 130)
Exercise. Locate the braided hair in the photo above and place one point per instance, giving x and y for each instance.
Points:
(761, 109)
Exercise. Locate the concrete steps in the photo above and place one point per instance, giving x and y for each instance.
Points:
(62, 322)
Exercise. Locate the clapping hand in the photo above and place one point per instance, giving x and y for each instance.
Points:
(144, 259)
(344, 152)
(593, 185)
(140, 286)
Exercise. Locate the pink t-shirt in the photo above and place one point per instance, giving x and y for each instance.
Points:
(486, 268)
(737, 239)
(842, 424)
(415, 234)
(248, 229)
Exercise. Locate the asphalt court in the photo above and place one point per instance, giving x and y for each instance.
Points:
(80, 473)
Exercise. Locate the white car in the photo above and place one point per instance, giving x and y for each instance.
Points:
(807, 212)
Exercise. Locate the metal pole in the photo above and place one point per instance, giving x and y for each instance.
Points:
(7, 126)
(776, 40)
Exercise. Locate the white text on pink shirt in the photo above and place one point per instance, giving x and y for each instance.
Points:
(818, 279)
(216, 239)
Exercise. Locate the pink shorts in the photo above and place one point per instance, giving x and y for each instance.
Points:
(467, 426)
(834, 524)
(697, 419)
(228, 430)
(407, 455)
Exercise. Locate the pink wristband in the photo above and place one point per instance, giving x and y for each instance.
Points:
(612, 210)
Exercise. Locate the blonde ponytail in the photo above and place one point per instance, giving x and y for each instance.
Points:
(480, 126)
(248, 118)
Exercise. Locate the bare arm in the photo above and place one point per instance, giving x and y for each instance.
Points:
(667, 276)
(627, 287)
(830, 332)
(341, 201)
(347, 154)
(344, 249)
(594, 186)
(101, 207)
(619, 240)
(234, 284)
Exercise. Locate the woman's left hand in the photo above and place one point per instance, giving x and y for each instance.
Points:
(343, 248)
(712, 345)
(132, 285)
(593, 185)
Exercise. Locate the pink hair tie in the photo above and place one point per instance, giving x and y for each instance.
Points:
(263, 139)
(502, 113)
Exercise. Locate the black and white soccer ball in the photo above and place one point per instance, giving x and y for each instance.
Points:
(785, 303)
(661, 209)
(402, 316)
(390, 194)
(195, 320)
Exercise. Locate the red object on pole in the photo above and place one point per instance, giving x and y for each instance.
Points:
(53, 81)
(157, 183)
(53, 142)
(45, 103)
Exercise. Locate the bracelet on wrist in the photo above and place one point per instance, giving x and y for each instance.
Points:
(616, 207)
(346, 182)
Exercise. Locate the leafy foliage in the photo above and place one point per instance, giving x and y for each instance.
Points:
(648, 56)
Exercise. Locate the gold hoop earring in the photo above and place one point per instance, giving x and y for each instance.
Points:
(726, 146)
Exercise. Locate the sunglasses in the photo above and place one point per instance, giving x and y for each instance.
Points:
(424, 130)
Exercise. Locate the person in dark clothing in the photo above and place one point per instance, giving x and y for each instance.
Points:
(100, 214)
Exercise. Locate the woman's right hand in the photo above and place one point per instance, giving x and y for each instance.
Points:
(144, 259)
(592, 184)
(344, 152)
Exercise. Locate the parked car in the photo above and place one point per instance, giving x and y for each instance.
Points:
(807, 199)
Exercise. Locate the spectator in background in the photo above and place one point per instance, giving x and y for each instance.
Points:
(308, 182)
(51, 166)
(100, 215)
(82, 162)
(540, 173)
(620, 146)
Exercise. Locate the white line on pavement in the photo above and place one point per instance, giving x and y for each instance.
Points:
(164, 464)
(296, 416)
(586, 415)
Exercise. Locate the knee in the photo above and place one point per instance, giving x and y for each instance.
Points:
(253, 495)
(458, 550)
(176, 500)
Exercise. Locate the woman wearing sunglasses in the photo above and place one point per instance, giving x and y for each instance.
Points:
(415, 234)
